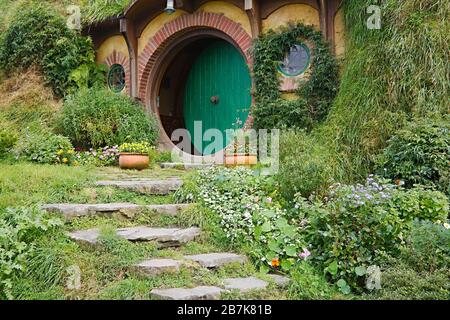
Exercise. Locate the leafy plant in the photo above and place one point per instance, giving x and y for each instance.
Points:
(43, 147)
(419, 154)
(97, 118)
(19, 230)
(359, 225)
(38, 36)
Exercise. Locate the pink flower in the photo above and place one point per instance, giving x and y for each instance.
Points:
(269, 200)
(305, 254)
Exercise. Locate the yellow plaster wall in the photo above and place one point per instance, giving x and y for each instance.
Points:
(153, 27)
(108, 46)
(292, 12)
(339, 33)
(230, 11)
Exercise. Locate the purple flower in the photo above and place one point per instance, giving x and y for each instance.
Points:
(305, 254)
(269, 200)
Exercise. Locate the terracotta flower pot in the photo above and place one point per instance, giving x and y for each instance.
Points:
(240, 159)
(133, 161)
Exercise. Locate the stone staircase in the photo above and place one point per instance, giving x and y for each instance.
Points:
(164, 238)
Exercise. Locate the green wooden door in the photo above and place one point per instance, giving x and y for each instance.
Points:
(217, 91)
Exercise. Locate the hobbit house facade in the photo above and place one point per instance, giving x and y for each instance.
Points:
(191, 60)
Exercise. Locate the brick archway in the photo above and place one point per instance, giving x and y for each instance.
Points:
(120, 58)
(180, 26)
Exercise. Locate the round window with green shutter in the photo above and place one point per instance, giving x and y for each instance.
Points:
(296, 61)
(116, 78)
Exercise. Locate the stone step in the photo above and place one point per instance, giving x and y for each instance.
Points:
(244, 284)
(216, 260)
(185, 166)
(198, 293)
(70, 211)
(145, 186)
(157, 266)
(280, 281)
(166, 237)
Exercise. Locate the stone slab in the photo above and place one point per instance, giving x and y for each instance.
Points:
(244, 284)
(216, 260)
(166, 237)
(158, 266)
(198, 293)
(70, 211)
(186, 166)
(280, 281)
(145, 186)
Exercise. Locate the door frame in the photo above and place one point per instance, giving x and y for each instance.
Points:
(157, 74)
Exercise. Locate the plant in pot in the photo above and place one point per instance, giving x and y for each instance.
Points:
(135, 155)
(242, 151)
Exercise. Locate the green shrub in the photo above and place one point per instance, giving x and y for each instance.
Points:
(360, 224)
(20, 229)
(38, 36)
(308, 284)
(96, 118)
(419, 154)
(428, 247)
(305, 166)
(42, 147)
(8, 137)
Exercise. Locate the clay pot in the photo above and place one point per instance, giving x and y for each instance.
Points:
(240, 159)
(134, 161)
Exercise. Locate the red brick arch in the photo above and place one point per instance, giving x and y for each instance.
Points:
(180, 26)
(120, 58)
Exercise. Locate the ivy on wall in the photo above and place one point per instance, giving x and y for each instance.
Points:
(314, 97)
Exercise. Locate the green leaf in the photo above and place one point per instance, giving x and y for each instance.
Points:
(360, 271)
(266, 227)
(273, 245)
(291, 251)
(286, 264)
(332, 268)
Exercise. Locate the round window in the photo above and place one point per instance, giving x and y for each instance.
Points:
(116, 78)
(296, 61)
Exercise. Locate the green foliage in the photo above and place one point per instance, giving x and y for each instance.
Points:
(419, 154)
(7, 139)
(428, 247)
(19, 230)
(98, 10)
(38, 36)
(315, 96)
(359, 225)
(42, 147)
(305, 165)
(308, 284)
(248, 213)
(98, 118)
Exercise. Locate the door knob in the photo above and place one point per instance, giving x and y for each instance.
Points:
(215, 99)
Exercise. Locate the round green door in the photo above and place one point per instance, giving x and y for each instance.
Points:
(217, 92)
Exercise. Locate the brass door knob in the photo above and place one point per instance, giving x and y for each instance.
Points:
(215, 99)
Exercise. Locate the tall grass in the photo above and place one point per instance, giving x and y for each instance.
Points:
(389, 77)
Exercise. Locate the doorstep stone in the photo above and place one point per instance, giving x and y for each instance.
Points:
(158, 266)
(244, 284)
(166, 237)
(145, 186)
(280, 281)
(186, 166)
(198, 293)
(215, 260)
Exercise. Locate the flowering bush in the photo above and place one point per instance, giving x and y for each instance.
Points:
(358, 225)
(106, 156)
(67, 156)
(249, 213)
(140, 148)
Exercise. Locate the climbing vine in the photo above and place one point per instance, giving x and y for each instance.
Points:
(314, 96)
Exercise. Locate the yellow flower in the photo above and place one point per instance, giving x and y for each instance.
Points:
(65, 160)
(71, 151)
(60, 152)
(75, 163)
